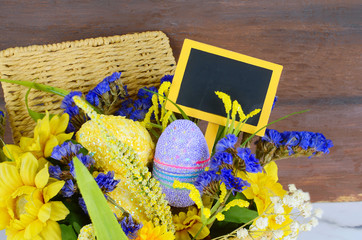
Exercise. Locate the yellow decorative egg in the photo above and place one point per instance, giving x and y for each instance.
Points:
(127, 131)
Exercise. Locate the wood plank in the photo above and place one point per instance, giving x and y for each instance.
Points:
(318, 43)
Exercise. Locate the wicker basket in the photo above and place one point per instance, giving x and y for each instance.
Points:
(143, 58)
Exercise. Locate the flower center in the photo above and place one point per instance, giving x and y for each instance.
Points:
(20, 206)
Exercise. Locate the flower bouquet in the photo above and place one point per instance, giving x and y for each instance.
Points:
(116, 167)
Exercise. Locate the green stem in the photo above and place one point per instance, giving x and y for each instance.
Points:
(294, 113)
(203, 225)
(155, 125)
(154, 133)
(41, 87)
(227, 125)
(230, 130)
(181, 111)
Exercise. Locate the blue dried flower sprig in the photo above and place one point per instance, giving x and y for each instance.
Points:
(130, 227)
(137, 109)
(106, 183)
(275, 145)
(77, 117)
(225, 163)
(108, 95)
(64, 168)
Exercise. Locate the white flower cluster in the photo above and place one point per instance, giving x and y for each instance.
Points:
(302, 210)
(303, 218)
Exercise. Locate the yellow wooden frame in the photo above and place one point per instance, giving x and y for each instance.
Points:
(210, 117)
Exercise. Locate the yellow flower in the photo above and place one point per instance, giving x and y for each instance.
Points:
(253, 113)
(48, 133)
(194, 193)
(189, 223)
(25, 209)
(263, 186)
(225, 99)
(236, 108)
(150, 232)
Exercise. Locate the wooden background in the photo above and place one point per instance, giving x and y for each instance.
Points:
(319, 43)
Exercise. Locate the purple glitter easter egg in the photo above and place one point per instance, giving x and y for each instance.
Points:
(181, 154)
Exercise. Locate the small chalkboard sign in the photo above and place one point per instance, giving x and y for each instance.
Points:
(203, 69)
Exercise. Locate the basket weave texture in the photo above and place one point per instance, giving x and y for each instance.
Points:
(143, 58)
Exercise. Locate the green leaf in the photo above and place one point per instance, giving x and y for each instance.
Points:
(77, 218)
(34, 115)
(104, 222)
(41, 87)
(238, 214)
(68, 232)
(181, 111)
(222, 228)
(286, 116)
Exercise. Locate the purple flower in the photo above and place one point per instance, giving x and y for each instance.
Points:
(320, 143)
(142, 93)
(275, 101)
(68, 104)
(232, 182)
(65, 152)
(129, 227)
(55, 172)
(167, 78)
(114, 77)
(68, 189)
(305, 138)
(136, 110)
(106, 182)
(205, 179)
(290, 139)
(93, 95)
(82, 205)
(272, 136)
(220, 158)
(228, 141)
(252, 164)
(87, 161)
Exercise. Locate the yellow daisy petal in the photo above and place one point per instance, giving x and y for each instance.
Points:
(59, 124)
(4, 218)
(41, 179)
(9, 176)
(52, 189)
(12, 151)
(64, 137)
(51, 231)
(44, 212)
(42, 129)
(59, 211)
(33, 229)
(28, 168)
(49, 145)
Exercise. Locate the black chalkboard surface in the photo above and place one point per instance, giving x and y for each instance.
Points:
(203, 69)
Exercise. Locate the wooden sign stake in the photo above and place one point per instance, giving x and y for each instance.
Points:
(210, 135)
